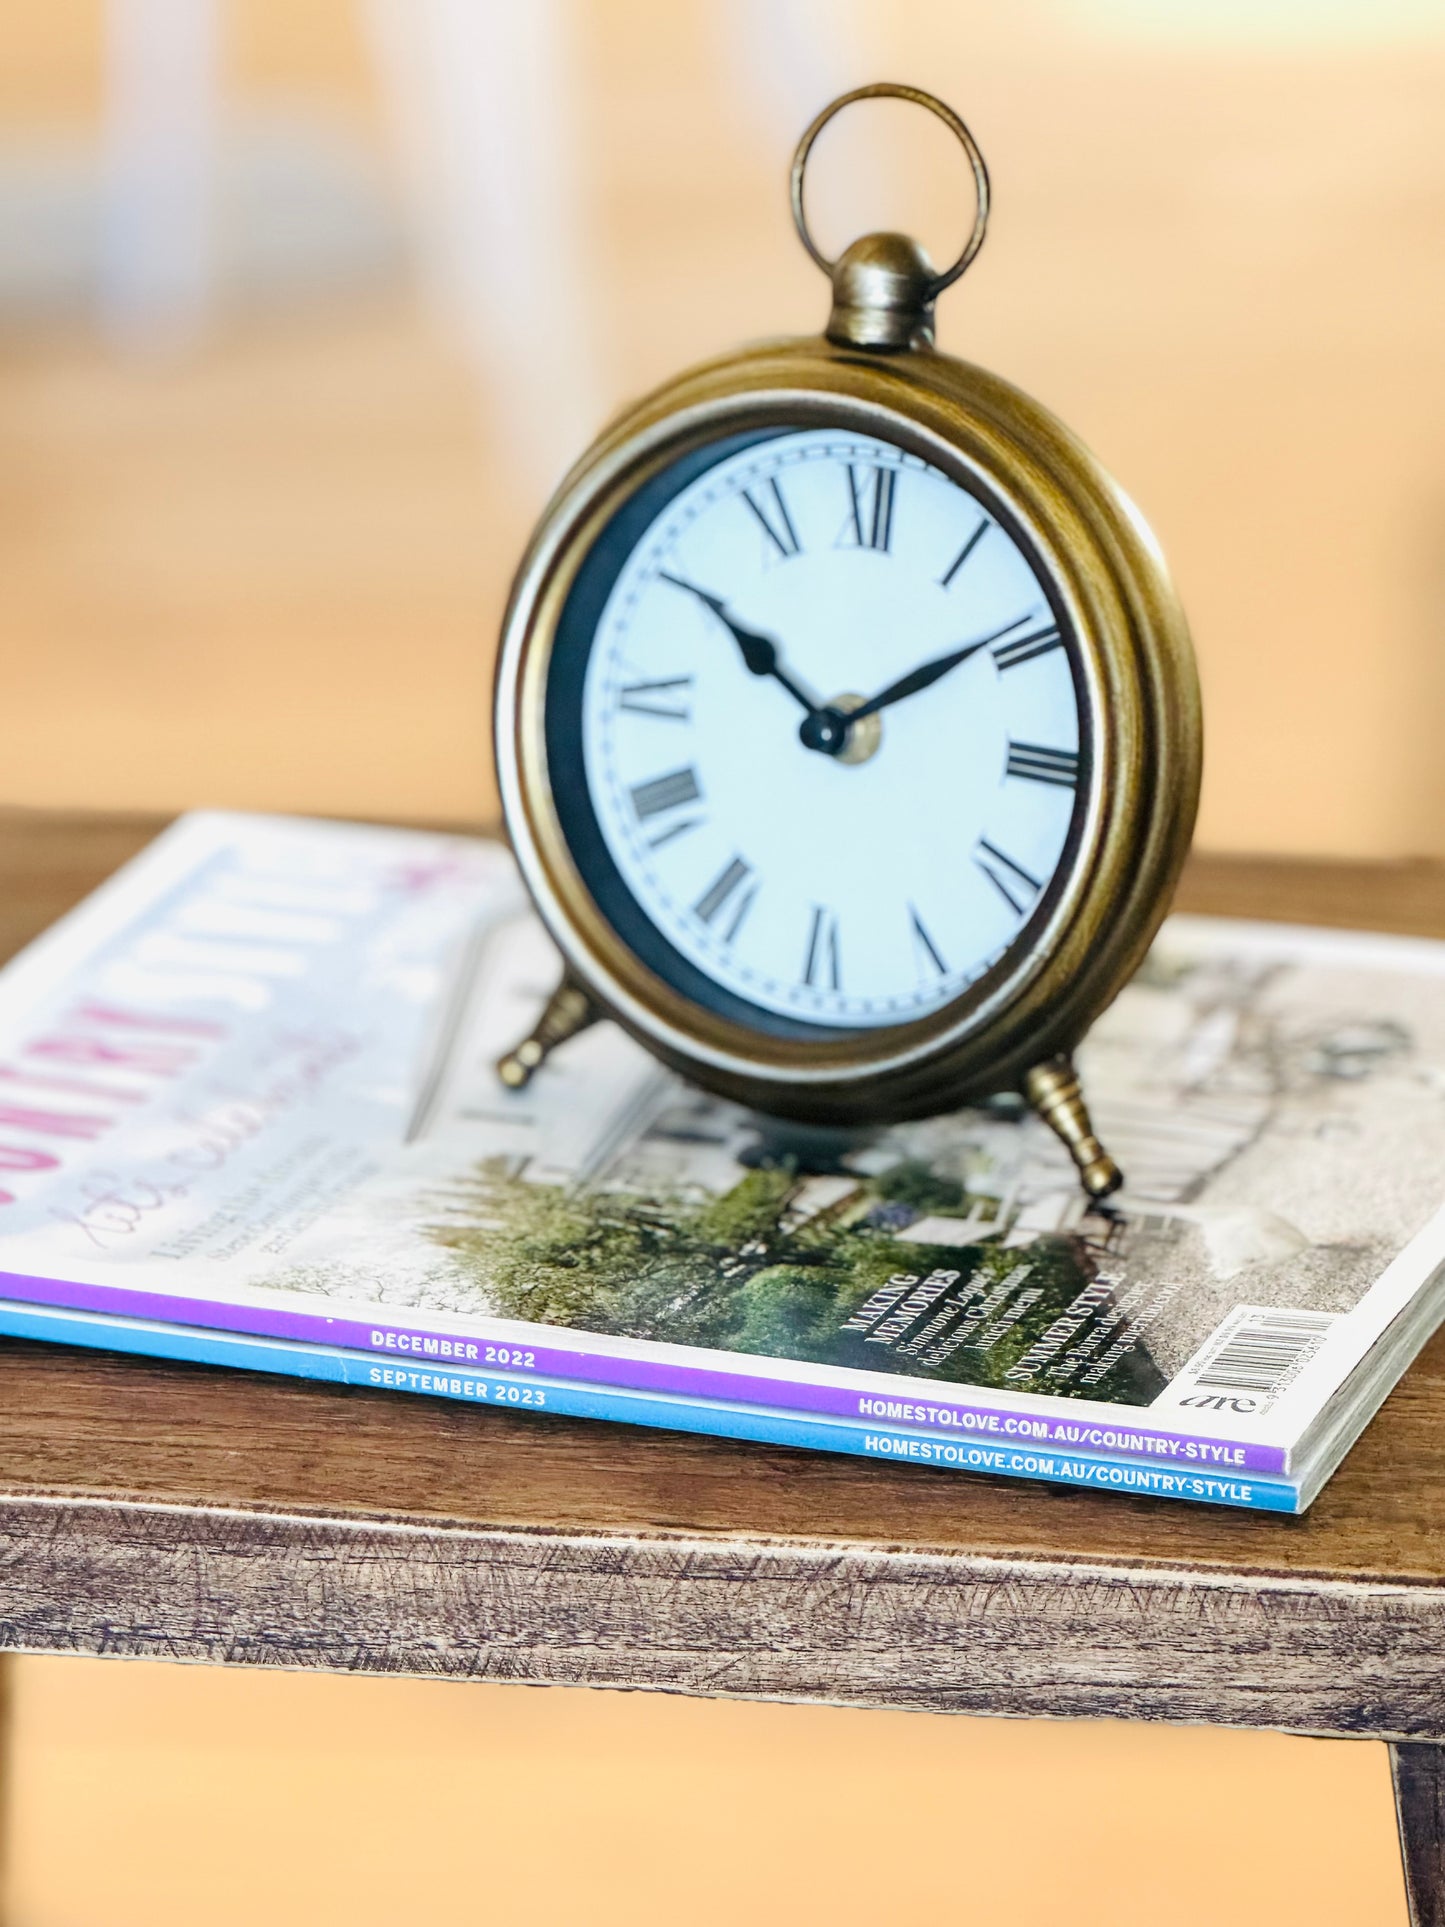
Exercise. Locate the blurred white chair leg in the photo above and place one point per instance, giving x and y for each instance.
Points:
(485, 106)
(788, 59)
(791, 57)
(162, 104)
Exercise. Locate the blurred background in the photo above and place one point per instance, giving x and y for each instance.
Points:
(304, 304)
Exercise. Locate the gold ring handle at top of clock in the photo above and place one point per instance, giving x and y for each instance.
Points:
(894, 90)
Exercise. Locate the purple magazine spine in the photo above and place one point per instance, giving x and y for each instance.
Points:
(1117, 1440)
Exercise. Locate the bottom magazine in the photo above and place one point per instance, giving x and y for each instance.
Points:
(714, 1417)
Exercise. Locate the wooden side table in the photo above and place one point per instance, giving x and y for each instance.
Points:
(177, 1512)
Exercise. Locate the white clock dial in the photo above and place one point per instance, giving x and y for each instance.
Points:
(848, 875)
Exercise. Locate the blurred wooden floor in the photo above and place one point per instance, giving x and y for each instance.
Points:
(147, 1796)
(265, 577)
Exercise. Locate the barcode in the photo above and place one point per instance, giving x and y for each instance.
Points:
(1264, 1353)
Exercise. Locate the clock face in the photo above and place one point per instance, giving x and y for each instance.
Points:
(815, 732)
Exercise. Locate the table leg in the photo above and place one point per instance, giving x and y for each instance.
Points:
(1418, 1772)
(7, 1674)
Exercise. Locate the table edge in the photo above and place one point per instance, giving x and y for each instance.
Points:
(803, 1620)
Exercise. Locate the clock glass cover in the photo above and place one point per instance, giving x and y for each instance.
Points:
(816, 731)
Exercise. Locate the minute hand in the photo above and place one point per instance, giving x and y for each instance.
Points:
(925, 675)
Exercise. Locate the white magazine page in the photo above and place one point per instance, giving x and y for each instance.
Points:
(224, 1038)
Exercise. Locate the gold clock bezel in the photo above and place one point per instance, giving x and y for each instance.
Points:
(1137, 666)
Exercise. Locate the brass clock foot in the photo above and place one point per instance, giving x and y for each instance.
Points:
(1054, 1091)
(568, 1010)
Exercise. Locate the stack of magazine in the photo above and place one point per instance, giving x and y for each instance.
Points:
(248, 1116)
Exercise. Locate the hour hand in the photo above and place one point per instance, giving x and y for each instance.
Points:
(759, 653)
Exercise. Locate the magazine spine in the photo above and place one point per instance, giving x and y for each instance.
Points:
(944, 1413)
(713, 1417)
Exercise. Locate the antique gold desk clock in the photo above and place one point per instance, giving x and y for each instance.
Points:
(847, 725)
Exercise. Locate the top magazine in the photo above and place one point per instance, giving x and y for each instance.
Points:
(247, 1088)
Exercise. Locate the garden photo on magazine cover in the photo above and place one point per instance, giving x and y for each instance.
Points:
(1234, 1088)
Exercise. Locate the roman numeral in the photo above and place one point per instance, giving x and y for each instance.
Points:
(668, 792)
(964, 553)
(870, 502)
(920, 932)
(724, 890)
(651, 699)
(679, 828)
(774, 519)
(1035, 764)
(1008, 655)
(664, 793)
(1010, 879)
(822, 959)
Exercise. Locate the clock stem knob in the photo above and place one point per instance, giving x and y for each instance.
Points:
(568, 1010)
(1054, 1091)
(883, 295)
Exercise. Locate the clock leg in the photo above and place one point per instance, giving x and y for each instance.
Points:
(568, 1010)
(1053, 1090)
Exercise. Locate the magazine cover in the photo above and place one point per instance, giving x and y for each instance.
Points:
(249, 1086)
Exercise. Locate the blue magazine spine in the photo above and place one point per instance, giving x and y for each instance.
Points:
(715, 1418)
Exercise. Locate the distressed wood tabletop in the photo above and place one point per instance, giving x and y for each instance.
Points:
(178, 1511)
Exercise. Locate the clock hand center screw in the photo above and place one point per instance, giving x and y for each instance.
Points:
(824, 730)
(829, 731)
